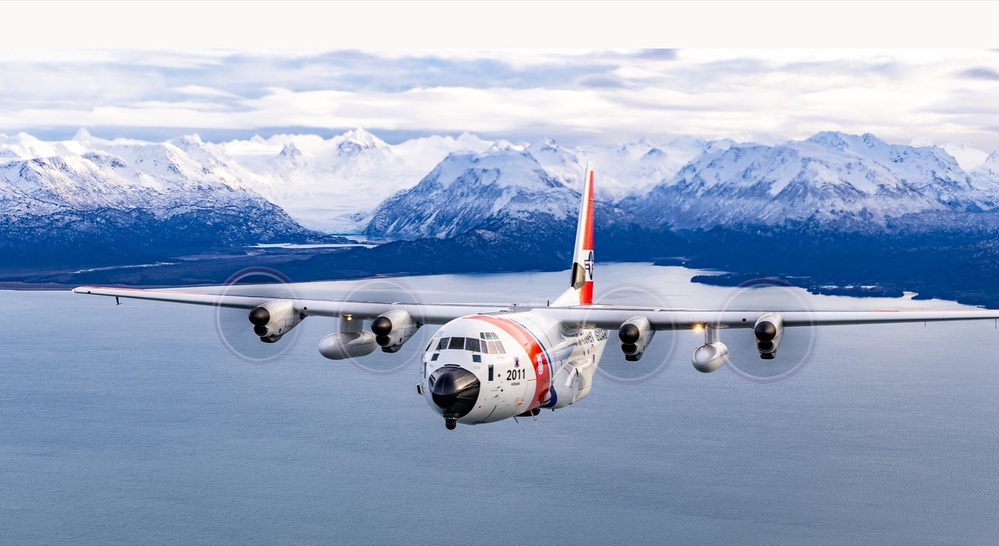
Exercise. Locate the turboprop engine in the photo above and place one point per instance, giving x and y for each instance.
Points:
(274, 319)
(712, 355)
(768, 331)
(349, 342)
(635, 335)
(392, 329)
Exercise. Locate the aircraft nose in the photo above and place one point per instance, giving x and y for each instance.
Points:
(455, 390)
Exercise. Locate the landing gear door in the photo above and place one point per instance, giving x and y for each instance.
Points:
(566, 383)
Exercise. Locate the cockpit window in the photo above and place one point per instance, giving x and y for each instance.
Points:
(470, 344)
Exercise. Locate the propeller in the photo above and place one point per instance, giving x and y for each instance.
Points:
(389, 291)
(797, 345)
(238, 330)
(660, 351)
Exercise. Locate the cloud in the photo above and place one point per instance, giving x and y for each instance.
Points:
(600, 81)
(609, 94)
(657, 54)
(203, 91)
(980, 73)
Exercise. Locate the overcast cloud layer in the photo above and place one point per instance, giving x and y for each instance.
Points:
(576, 96)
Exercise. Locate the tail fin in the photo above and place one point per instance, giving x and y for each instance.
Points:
(580, 290)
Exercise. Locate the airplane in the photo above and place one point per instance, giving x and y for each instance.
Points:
(487, 363)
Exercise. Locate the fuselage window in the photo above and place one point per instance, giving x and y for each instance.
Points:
(443, 343)
(434, 358)
(472, 344)
(456, 343)
(490, 372)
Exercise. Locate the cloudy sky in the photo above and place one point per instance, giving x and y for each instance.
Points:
(518, 71)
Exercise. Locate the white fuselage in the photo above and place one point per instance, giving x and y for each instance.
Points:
(520, 362)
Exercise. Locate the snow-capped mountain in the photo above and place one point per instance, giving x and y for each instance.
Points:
(629, 169)
(333, 184)
(501, 210)
(129, 194)
(831, 179)
(986, 174)
(966, 155)
(87, 173)
(825, 204)
(828, 178)
(355, 181)
(466, 189)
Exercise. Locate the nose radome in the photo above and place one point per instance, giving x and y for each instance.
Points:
(455, 390)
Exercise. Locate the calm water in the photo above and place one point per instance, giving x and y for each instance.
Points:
(135, 425)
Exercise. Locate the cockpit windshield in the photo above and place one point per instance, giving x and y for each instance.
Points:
(473, 344)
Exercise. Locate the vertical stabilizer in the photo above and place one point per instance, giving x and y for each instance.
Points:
(580, 290)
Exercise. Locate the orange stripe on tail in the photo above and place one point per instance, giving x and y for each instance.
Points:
(580, 290)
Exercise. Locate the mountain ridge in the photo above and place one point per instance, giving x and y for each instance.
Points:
(337, 184)
(790, 208)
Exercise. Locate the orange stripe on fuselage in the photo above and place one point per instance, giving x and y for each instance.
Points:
(529, 343)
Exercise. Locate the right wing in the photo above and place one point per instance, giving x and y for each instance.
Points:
(421, 313)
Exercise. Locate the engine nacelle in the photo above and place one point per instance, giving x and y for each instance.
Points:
(274, 319)
(710, 356)
(392, 329)
(768, 330)
(635, 335)
(349, 342)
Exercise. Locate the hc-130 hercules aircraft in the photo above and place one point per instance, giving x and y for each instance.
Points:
(488, 363)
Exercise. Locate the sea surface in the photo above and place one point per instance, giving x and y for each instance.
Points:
(155, 423)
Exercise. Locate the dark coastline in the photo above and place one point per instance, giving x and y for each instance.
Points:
(961, 274)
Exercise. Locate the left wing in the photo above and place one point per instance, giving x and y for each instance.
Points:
(612, 317)
(636, 325)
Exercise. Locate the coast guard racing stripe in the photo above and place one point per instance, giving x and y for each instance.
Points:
(539, 358)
